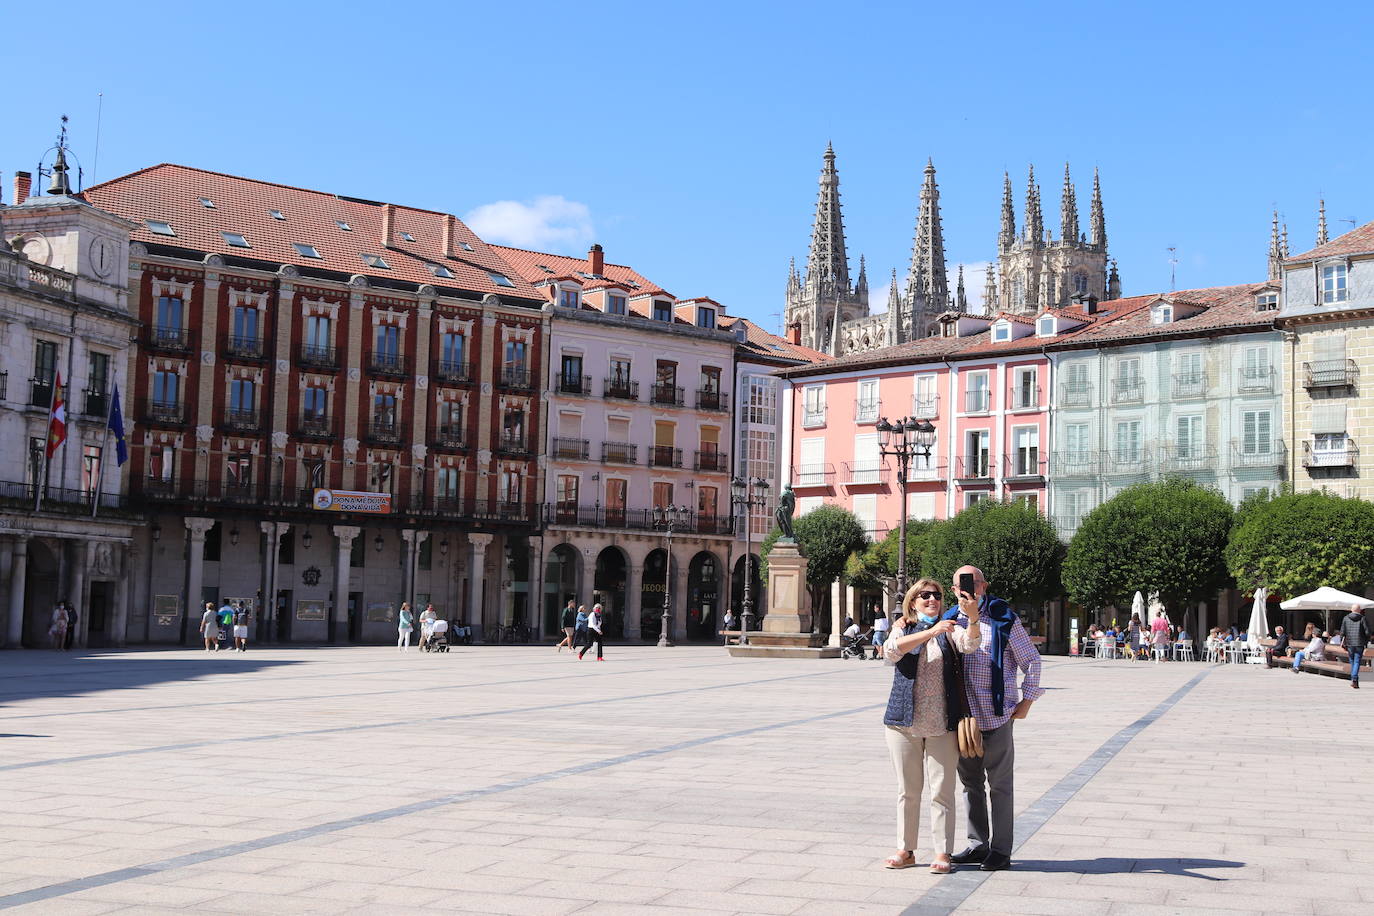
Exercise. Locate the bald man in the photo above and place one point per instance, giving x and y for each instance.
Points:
(1354, 637)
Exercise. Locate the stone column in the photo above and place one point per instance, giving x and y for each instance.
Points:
(411, 539)
(477, 591)
(534, 589)
(195, 572)
(6, 567)
(119, 625)
(338, 620)
(84, 554)
(19, 567)
(268, 612)
(679, 600)
(633, 626)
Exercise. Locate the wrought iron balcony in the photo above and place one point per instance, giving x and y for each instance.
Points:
(619, 452)
(1259, 453)
(978, 400)
(1077, 464)
(599, 516)
(384, 429)
(1075, 395)
(318, 357)
(665, 456)
(449, 435)
(571, 449)
(245, 492)
(1188, 458)
(1190, 385)
(453, 371)
(1330, 373)
(4, 385)
(864, 473)
(866, 411)
(875, 531)
(40, 391)
(1127, 462)
(97, 402)
(512, 444)
(922, 473)
(814, 475)
(1023, 465)
(1128, 389)
(515, 377)
(620, 389)
(712, 400)
(386, 364)
(163, 412)
(168, 338)
(925, 406)
(1327, 456)
(711, 460)
(573, 384)
(244, 347)
(241, 418)
(813, 417)
(974, 467)
(315, 425)
(666, 394)
(1255, 379)
(1024, 398)
(1067, 525)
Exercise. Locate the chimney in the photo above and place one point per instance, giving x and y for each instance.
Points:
(22, 181)
(388, 219)
(1087, 303)
(448, 235)
(596, 261)
(794, 334)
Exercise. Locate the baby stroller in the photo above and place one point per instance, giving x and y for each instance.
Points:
(858, 646)
(434, 636)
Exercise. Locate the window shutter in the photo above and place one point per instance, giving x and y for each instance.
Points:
(1328, 418)
(1330, 346)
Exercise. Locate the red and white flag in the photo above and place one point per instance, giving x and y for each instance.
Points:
(57, 418)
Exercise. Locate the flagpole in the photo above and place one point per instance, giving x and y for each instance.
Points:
(47, 437)
(104, 447)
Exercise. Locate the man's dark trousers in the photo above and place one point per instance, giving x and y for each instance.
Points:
(990, 774)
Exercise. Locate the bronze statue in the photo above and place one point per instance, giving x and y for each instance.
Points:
(783, 514)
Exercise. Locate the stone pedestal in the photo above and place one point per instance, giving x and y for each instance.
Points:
(786, 629)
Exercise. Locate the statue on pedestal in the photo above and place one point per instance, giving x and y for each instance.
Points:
(787, 503)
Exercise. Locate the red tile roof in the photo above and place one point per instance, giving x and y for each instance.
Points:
(531, 264)
(171, 193)
(1356, 241)
(768, 345)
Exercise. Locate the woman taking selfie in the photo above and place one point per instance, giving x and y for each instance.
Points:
(922, 717)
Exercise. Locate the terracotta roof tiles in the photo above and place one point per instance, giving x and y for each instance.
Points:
(1357, 241)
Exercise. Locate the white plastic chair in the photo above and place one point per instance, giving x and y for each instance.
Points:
(1184, 652)
(1106, 647)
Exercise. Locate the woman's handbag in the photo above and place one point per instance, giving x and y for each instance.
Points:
(970, 735)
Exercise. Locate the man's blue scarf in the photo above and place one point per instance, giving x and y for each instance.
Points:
(1001, 617)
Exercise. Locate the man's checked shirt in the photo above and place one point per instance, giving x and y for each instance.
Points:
(1020, 654)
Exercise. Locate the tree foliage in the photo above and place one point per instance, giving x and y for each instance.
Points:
(1295, 543)
(1011, 542)
(1167, 536)
(875, 567)
(827, 535)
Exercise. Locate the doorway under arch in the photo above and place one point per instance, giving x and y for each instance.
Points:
(608, 586)
(756, 596)
(703, 596)
(562, 570)
(40, 586)
(651, 588)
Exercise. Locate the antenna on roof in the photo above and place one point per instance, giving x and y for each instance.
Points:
(99, 110)
(1173, 264)
(1351, 221)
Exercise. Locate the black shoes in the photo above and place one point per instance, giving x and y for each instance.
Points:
(970, 856)
(995, 861)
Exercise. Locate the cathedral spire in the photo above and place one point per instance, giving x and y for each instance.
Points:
(960, 300)
(1068, 211)
(1007, 237)
(1275, 251)
(927, 277)
(1035, 225)
(1321, 222)
(1097, 222)
(1283, 243)
(1113, 282)
(990, 292)
(861, 285)
(827, 265)
(894, 312)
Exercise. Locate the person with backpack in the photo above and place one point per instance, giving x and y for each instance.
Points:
(569, 625)
(592, 634)
(1354, 637)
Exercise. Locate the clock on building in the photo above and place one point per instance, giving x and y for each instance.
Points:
(103, 253)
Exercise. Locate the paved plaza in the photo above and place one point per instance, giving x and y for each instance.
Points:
(515, 780)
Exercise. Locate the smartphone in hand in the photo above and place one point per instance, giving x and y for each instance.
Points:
(966, 584)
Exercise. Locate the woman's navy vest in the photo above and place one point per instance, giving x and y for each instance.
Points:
(901, 702)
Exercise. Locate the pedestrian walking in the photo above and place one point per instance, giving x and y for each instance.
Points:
(923, 712)
(226, 622)
(57, 627)
(1355, 637)
(569, 624)
(72, 618)
(593, 634)
(405, 625)
(580, 627)
(209, 628)
(1000, 646)
(242, 620)
(882, 627)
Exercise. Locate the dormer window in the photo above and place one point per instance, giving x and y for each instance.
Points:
(376, 260)
(1001, 332)
(158, 227)
(441, 271)
(663, 311)
(407, 237)
(1334, 284)
(465, 246)
(276, 214)
(1045, 327)
(568, 298)
(235, 240)
(706, 318)
(615, 305)
(343, 225)
(1267, 302)
(207, 203)
(304, 250)
(500, 279)
(1162, 314)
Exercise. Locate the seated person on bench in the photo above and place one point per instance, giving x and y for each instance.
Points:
(1315, 652)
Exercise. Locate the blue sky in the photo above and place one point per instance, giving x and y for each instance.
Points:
(687, 138)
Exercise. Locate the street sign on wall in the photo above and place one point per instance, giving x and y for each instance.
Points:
(352, 501)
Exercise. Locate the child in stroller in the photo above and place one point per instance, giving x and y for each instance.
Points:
(858, 645)
(434, 636)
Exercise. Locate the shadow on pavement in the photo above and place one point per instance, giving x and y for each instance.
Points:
(1184, 868)
(94, 673)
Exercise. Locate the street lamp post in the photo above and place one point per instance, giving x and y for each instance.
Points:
(669, 518)
(744, 495)
(903, 440)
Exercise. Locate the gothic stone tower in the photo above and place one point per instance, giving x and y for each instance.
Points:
(927, 283)
(814, 299)
(1035, 270)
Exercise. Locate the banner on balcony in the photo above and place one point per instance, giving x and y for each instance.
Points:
(352, 501)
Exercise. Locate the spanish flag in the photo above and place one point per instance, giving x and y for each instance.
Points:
(57, 418)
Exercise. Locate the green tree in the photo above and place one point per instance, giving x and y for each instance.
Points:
(828, 535)
(1011, 542)
(1167, 536)
(875, 567)
(1297, 542)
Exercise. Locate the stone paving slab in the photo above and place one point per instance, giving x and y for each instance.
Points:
(512, 780)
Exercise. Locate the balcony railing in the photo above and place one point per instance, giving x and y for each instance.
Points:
(1346, 456)
(1188, 458)
(1255, 380)
(978, 400)
(58, 500)
(246, 492)
(814, 475)
(1127, 462)
(712, 400)
(813, 417)
(243, 347)
(666, 394)
(665, 456)
(1262, 453)
(513, 444)
(974, 467)
(919, 473)
(864, 473)
(598, 516)
(875, 531)
(486, 510)
(449, 435)
(318, 357)
(1024, 465)
(163, 412)
(315, 425)
(386, 364)
(574, 384)
(1067, 525)
(1077, 464)
(166, 338)
(384, 429)
(97, 403)
(241, 418)
(866, 411)
(40, 391)
(925, 406)
(1075, 395)
(1023, 398)
(1128, 390)
(710, 460)
(620, 389)
(571, 449)
(619, 452)
(1190, 385)
(4, 385)
(453, 371)
(1330, 373)
(515, 377)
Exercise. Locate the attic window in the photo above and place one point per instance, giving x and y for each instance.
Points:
(158, 227)
(207, 203)
(545, 268)
(1044, 327)
(1162, 314)
(306, 251)
(1267, 302)
(615, 304)
(440, 270)
(632, 284)
(466, 246)
(500, 279)
(376, 260)
(236, 240)
(1001, 332)
(663, 311)
(407, 237)
(343, 225)
(276, 214)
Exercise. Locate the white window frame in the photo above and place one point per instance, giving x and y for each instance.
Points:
(813, 406)
(1045, 326)
(1001, 332)
(984, 379)
(1020, 467)
(1334, 282)
(867, 402)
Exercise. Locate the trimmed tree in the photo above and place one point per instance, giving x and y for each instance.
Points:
(876, 566)
(1297, 542)
(1167, 536)
(1011, 542)
(828, 535)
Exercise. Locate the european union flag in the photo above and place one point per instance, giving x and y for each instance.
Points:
(116, 425)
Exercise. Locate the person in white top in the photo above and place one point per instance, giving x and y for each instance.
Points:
(593, 634)
(1315, 652)
(882, 625)
(852, 630)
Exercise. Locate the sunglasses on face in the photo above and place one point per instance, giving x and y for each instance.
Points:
(926, 596)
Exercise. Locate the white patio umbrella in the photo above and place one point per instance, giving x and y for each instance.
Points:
(1259, 621)
(1326, 599)
(1156, 608)
(1138, 605)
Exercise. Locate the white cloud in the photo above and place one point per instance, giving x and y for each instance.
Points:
(540, 223)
